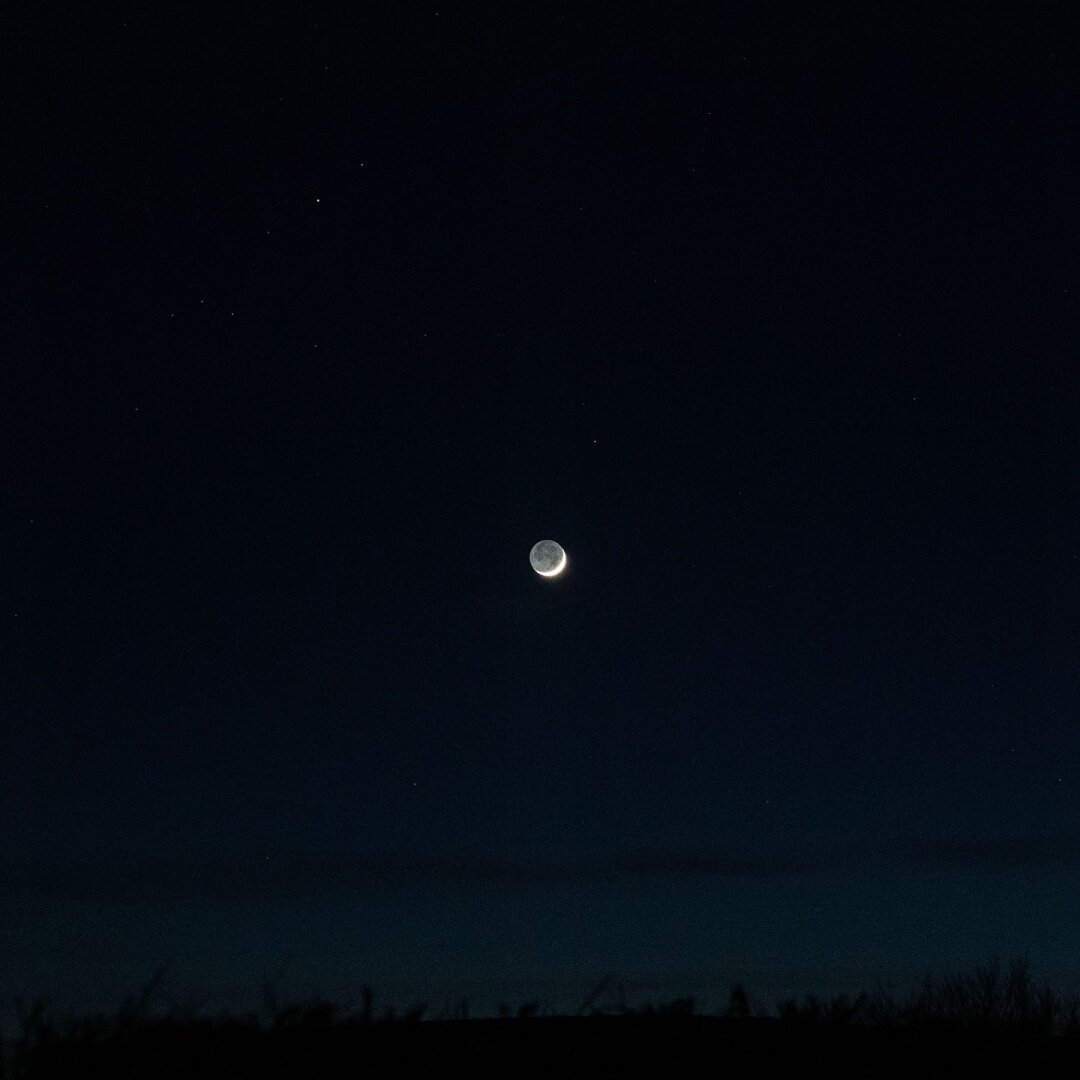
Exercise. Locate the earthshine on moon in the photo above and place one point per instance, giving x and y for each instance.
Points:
(547, 558)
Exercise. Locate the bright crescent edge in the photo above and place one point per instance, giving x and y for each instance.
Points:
(558, 569)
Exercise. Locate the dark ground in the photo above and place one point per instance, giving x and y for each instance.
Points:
(638, 1045)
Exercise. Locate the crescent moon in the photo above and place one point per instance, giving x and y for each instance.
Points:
(548, 558)
(555, 570)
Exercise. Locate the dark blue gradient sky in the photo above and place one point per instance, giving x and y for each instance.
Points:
(314, 324)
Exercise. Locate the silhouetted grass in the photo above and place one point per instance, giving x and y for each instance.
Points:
(139, 1039)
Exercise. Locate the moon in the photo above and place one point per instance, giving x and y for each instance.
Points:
(547, 558)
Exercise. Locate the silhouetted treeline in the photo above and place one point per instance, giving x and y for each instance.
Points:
(991, 1021)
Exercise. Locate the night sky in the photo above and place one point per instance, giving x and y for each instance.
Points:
(313, 324)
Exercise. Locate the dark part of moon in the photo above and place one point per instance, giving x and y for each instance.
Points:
(546, 555)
